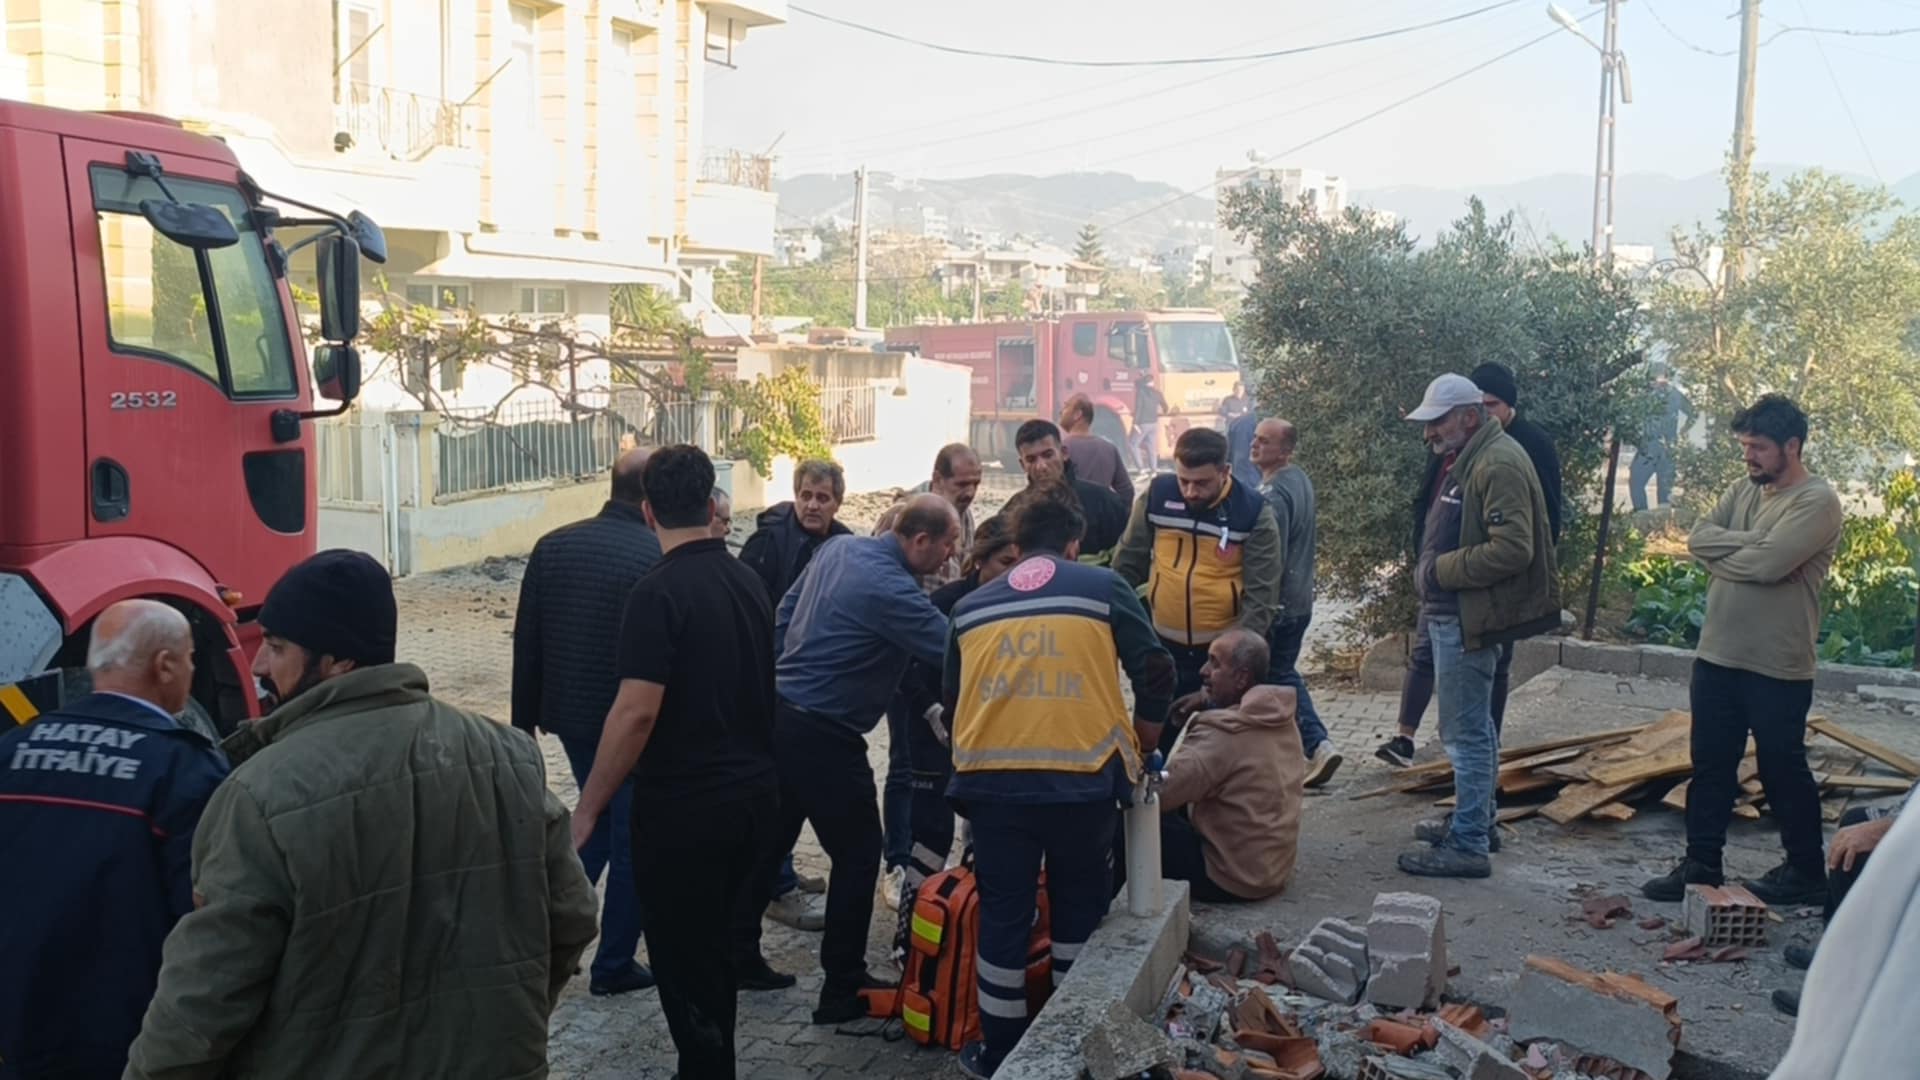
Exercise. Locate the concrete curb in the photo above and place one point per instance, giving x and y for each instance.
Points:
(1127, 959)
(1385, 664)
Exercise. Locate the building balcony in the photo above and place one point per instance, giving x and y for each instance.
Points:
(728, 219)
(749, 13)
(737, 168)
(398, 124)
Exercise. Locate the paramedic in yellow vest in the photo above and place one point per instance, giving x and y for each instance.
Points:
(1208, 551)
(1043, 752)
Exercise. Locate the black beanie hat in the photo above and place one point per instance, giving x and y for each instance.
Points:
(1497, 379)
(338, 603)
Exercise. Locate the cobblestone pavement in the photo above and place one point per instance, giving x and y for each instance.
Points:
(458, 626)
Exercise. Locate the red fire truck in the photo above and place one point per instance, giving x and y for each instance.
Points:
(152, 435)
(1023, 370)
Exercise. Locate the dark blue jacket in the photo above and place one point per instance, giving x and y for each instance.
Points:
(1240, 449)
(98, 803)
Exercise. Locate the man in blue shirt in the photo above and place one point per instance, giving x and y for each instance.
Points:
(98, 805)
(844, 634)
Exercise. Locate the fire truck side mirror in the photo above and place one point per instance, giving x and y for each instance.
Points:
(190, 225)
(336, 372)
(337, 258)
(373, 242)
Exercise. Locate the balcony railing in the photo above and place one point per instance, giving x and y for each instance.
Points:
(403, 124)
(736, 168)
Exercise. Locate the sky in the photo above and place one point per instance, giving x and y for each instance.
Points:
(827, 98)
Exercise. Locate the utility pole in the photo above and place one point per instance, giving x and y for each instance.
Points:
(1740, 179)
(754, 315)
(977, 269)
(860, 248)
(1614, 73)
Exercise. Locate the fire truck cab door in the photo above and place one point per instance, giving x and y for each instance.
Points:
(185, 355)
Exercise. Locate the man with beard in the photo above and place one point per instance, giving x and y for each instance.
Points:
(1044, 459)
(1767, 547)
(1485, 577)
(384, 886)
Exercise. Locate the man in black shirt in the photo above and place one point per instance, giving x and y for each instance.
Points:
(695, 714)
(1044, 459)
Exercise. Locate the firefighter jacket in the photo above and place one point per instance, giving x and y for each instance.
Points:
(1032, 684)
(98, 805)
(1207, 569)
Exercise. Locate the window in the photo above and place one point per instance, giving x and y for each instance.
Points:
(1086, 339)
(1195, 346)
(543, 301)
(216, 313)
(1117, 340)
(453, 373)
(357, 55)
(525, 52)
(441, 297)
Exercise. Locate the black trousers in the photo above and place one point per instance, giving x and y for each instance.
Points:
(1728, 705)
(825, 779)
(690, 864)
(1187, 662)
(1183, 857)
(1840, 882)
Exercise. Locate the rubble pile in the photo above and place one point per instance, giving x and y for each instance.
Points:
(1348, 1003)
(1611, 775)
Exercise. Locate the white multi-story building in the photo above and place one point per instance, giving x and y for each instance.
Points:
(1191, 261)
(523, 157)
(1233, 258)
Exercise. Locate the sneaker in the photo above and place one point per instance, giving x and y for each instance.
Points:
(1435, 830)
(1671, 887)
(760, 975)
(811, 884)
(1445, 862)
(1788, 886)
(635, 977)
(973, 1060)
(892, 884)
(1397, 752)
(800, 910)
(1322, 764)
(1798, 957)
(1787, 1001)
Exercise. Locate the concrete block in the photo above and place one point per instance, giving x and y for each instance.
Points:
(1849, 678)
(1728, 915)
(1666, 662)
(1211, 1060)
(1341, 1053)
(1204, 1005)
(1122, 1046)
(1332, 962)
(1900, 695)
(1407, 951)
(1593, 656)
(1473, 1059)
(1385, 664)
(1533, 656)
(1399, 1068)
(1130, 959)
(1611, 1015)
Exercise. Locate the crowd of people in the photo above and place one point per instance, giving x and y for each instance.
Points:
(369, 881)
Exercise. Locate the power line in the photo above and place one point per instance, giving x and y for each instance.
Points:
(1675, 35)
(1348, 126)
(1183, 61)
(1845, 105)
(1898, 31)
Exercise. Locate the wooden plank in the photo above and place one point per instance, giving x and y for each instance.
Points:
(1676, 799)
(1672, 761)
(1885, 754)
(1551, 757)
(1866, 783)
(1525, 782)
(1748, 811)
(1515, 813)
(1578, 800)
(1517, 753)
(1613, 812)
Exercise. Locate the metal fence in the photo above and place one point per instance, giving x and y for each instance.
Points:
(347, 459)
(522, 443)
(848, 413)
(404, 124)
(737, 168)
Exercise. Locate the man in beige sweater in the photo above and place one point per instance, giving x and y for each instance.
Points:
(1767, 545)
(1230, 812)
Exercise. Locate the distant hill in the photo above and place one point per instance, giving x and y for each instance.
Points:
(1053, 208)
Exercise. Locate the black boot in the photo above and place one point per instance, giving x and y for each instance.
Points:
(1787, 885)
(1672, 886)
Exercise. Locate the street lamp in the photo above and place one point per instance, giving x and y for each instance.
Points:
(1613, 63)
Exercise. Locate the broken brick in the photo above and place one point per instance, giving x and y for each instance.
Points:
(1724, 915)
(1406, 951)
(1236, 962)
(1467, 1018)
(1688, 949)
(1394, 1035)
(1332, 962)
(1600, 911)
(1652, 922)
(1473, 1059)
(1617, 1016)
(1398, 1068)
(1257, 1013)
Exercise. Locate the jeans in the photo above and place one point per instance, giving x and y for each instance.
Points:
(896, 798)
(610, 848)
(1465, 682)
(1284, 638)
(1728, 705)
(825, 779)
(692, 862)
(1416, 691)
(1010, 841)
(1145, 444)
(1650, 465)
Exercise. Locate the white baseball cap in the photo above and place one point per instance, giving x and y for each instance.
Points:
(1445, 394)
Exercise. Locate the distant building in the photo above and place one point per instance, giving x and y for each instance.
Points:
(1233, 258)
(796, 247)
(1052, 279)
(923, 221)
(1190, 261)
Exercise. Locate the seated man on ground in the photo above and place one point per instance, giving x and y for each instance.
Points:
(1230, 811)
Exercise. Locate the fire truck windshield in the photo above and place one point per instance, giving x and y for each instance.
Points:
(216, 313)
(1195, 346)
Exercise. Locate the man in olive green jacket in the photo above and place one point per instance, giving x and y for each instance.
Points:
(1485, 577)
(384, 886)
